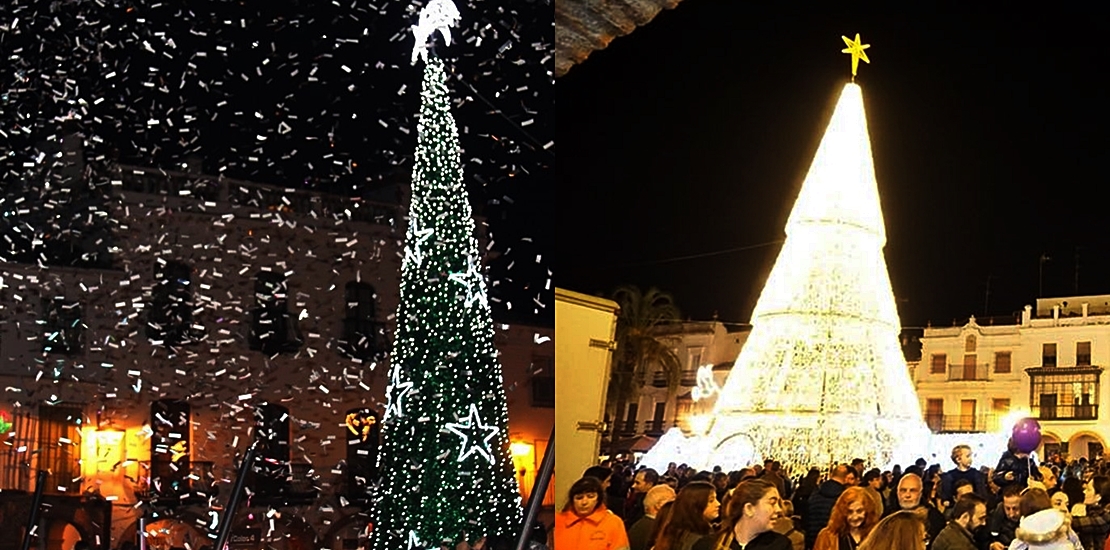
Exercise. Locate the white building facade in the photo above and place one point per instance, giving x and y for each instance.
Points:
(711, 344)
(1047, 364)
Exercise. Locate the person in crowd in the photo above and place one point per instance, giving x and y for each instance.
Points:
(902, 530)
(1091, 519)
(695, 506)
(961, 457)
(787, 525)
(642, 482)
(822, 501)
(1003, 521)
(858, 466)
(1060, 501)
(873, 478)
(1049, 478)
(969, 514)
(640, 532)
(756, 505)
(963, 487)
(585, 523)
(910, 498)
(1042, 526)
(806, 488)
(1015, 467)
(773, 475)
(1073, 487)
(604, 474)
(856, 512)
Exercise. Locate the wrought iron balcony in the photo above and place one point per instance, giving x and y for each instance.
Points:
(1066, 412)
(957, 423)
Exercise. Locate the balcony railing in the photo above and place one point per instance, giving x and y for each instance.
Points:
(977, 373)
(1066, 412)
(687, 378)
(955, 423)
(654, 428)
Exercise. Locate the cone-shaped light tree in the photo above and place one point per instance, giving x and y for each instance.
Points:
(822, 377)
(446, 470)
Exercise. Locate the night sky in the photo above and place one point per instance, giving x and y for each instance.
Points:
(301, 94)
(691, 137)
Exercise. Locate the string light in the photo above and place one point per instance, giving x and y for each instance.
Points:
(822, 378)
(447, 471)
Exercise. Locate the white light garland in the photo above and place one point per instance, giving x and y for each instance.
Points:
(438, 15)
(466, 429)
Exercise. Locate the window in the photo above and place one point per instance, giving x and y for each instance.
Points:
(170, 317)
(1082, 354)
(59, 447)
(1002, 362)
(1065, 394)
(543, 391)
(695, 359)
(938, 364)
(934, 413)
(1000, 405)
(969, 343)
(1048, 355)
(270, 324)
(363, 436)
(63, 329)
(362, 333)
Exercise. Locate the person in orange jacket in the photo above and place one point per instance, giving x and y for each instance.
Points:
(585, 523)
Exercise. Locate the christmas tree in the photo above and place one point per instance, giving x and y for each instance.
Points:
(446, 471)
(822, 377)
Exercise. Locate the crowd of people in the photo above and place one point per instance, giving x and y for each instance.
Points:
(1018, 505)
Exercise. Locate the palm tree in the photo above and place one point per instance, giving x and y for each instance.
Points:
(639, 348)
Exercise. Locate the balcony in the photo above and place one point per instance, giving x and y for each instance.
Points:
(961, 423)
(1066, 412)
(687, 378)
(969, 373)
(654, 428)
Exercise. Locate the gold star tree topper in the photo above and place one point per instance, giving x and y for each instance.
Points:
(855, 48)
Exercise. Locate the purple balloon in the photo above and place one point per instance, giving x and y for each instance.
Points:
(1027, 435)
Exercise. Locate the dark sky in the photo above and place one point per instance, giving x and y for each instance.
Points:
(692, 136)
(300, 94)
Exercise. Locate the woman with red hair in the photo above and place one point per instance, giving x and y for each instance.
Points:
(853, 516)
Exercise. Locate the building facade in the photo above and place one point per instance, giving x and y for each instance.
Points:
(710, 347)
(1048, 364)
(227, 309)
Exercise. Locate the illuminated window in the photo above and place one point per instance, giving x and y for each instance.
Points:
(1064, 394)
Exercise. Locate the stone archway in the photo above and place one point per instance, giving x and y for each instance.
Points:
(1086, 444)
(1050, 445)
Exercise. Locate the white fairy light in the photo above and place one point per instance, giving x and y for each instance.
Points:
(707, 386)
(438, 15)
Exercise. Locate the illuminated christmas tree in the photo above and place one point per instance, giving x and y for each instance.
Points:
(822, 377)
(446, 471)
